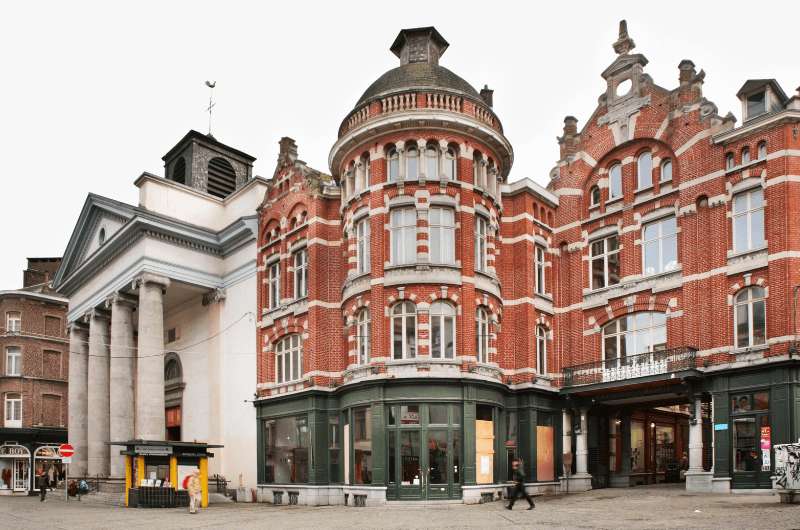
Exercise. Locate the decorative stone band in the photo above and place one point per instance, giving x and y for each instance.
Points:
(148, 277)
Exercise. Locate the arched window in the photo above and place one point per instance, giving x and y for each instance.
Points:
(615, 181)
(762, 150)
(363, 329)
(442, 230)
(362, 181)
(362, 245)
(478, 174)
(633, 334)
(748, 220)
(751, 317)
(412, 163)
(729, 161)
(481, 233)
(13, 410)
(431, 162)
(404, 331)
(594, 196)
(221, 177)
(745, 155)
(482, 335)
(394, 164)
(288, 359)
(644, 170)
(450, 158)
(666, 170)
(538, 268)
(443, 330)
(179, 171)
(300, 271)
(172, 369)
(541, 350)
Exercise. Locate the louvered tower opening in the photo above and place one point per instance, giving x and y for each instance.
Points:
(179, 171)
(221, 177)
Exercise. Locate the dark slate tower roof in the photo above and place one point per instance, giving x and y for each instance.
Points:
(419, 50)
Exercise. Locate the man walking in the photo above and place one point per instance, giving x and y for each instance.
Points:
(195, 491)
(518, 490)
(41, 481)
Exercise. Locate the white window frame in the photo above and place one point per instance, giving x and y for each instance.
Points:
(615, 181)
(595, 201)
(274, 284)
(434, 159)
(13, 361)
(442, 235)
(300, 273)
(362, 245)
(289, 359)
(482, 335)
(745, 155)
(666, 164)
(748, 298)
(762, 150)
(14, 322)
(363, 334)
(659, 239)
(444, 316)
(403, 235)
(481, 247)
(412, 159)
(539, 269)
(541, 350)
(604, 257)
(393, 165)
(450, 164)
(730, 161)
(644, 175)
(404, 315)
(749, 213)
(618, 334)
(13, 410)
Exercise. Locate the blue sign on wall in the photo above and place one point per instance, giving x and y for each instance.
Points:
(720, 426)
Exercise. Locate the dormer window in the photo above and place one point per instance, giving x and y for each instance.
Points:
(756, 104)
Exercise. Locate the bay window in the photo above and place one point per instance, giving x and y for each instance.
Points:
(442, 229)
(431, 162)
(443, 330)
(604, 262)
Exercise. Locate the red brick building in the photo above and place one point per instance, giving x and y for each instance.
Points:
(424, 319)
(33, 382)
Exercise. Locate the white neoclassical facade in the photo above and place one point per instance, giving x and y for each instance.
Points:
(161, 313)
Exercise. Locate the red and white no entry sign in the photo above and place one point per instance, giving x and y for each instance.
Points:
(66, 450)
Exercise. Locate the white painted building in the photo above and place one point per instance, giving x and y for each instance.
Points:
(162, 312)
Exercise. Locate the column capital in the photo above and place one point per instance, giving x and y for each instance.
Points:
(96, 313)
(121, 299)
(148, 277)
(76, 326)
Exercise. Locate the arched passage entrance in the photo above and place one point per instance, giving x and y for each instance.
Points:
(173, 395)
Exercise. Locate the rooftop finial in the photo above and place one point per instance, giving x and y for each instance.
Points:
(211, 103)
(624, 43)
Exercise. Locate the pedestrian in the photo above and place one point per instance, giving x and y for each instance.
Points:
(195, 491)
(51, 477)
(518, 489)
(41, 481)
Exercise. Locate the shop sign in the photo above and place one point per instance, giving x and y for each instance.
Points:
(720, 426)
(154, 450)
(766, 445)
(14, 450)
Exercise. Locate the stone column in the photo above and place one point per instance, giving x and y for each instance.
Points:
(566, 431)
(77, 392)
(98, 389)
(581, 444)
(121, 375)
(696, 438)
(150, 420)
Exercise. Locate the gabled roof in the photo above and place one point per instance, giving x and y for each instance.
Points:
(754, 85)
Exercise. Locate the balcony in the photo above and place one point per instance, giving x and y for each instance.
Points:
(630, 367)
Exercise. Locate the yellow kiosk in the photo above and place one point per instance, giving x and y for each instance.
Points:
(156, 472)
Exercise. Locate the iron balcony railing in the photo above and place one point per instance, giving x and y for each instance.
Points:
(631, 366)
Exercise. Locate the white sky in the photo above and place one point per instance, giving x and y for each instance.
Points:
(93, 94)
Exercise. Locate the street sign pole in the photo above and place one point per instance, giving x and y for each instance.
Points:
(66, 482)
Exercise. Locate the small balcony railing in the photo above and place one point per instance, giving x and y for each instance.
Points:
(631, 366)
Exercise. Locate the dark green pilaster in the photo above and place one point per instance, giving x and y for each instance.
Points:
(469, 443)
(722, 438)
(260, 449)
(378, 444)
(318, 423)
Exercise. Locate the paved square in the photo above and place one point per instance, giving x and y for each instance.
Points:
(653, 507)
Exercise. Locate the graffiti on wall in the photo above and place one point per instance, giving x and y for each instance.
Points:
(787, 466)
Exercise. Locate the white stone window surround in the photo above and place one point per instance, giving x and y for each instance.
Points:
(442, 326)
(404, 330)
(660, 234)
(644, 170)
(361, 231)
(749, 305)
(481, 242)
(541, 349)
(748, 219)
(288, 359)
(603, 235)
(402, 234)
(539, 268)
(363, 336)
(645, 326)
(482, 334)
(299, 269)
(442, 234)
(273, 272)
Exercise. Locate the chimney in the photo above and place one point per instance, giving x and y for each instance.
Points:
(487, 95)
(569, 141)
(288, 151)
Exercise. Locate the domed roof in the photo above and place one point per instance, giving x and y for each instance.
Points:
(417, 75)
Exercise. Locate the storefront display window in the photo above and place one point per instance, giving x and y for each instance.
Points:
(362, 445)
(637, 447)
(15, 463)
(665, 446)
(287, 446)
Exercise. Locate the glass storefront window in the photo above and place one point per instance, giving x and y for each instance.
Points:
(409, 415)
(746, 454)
(362, 445)
(437, 457)
(409, 458)
(286, 441)
(637, 447)
(665, 446)
(437, 414)
(750, 402)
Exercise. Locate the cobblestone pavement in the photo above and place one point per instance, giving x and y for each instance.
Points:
(652, 507)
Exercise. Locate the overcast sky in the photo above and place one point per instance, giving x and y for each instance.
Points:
(93, 94)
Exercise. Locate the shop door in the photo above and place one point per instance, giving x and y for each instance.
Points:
(20, 475)
(752, 458)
